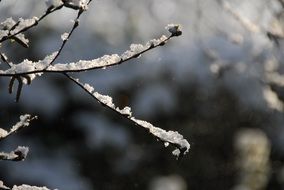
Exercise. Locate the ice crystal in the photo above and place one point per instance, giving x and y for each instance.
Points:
(89, 88)
(64, 36)
(137, 48)
(3, 33)
(3, 133)
(22, 40)
(12, 29)
(125, 111)
(8, 23)
(155, 42)
(23, 23)
(105, 99)
(166, 144)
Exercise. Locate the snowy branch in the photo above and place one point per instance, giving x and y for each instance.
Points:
(24, 122)
(27, 70)
(19, 154)
(167, 137)
(28, 67)
(21, 187)
(33, 69)
(13, 30)
(2, 186)
(28, 187)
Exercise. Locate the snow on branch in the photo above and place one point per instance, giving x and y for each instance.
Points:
(21, 187)
(19, 154)
(12, 29)
(29, 67)
(28, 187)
(2, 186)
(24, 122)
(168, 137)
(29, 70)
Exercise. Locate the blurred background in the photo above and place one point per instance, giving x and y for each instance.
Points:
(220, 84)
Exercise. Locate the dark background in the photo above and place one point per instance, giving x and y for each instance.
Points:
(232, 121)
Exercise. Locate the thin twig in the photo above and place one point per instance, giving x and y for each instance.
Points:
(5, 59)
(75, 25)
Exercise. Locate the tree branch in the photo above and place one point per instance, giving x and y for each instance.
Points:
(19, 154)
(167, 137)
(43, 66)
(24, 122)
